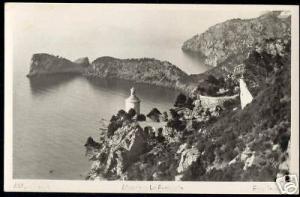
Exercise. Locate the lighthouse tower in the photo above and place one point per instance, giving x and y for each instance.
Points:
(132, 102)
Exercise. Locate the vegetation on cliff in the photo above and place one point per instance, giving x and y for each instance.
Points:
(259, 52)
(143, 70)
(213, 144)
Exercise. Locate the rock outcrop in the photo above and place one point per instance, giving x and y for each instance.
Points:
(234, 38)
(44, 64)
(114, 154)
(188, 157)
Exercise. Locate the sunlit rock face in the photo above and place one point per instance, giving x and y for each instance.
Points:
(188, 157)
(113, 155)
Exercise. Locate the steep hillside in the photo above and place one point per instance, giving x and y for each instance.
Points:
(249, 144)
(260, 62)
(233, 39)
(199, 143)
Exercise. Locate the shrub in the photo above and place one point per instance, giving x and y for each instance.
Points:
(154, 115)
(176, 124)
(174, 114)
(180, 100)
(113, 118)
(141, 117)
(189, 103)
(112, 127)
(131, 113)
(164, 116)
(212, 79)
(121, 113)
(229, 104)
(160, 137)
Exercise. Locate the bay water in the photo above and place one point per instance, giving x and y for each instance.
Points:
(53, 116)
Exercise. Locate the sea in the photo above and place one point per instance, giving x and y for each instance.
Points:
(54, 116)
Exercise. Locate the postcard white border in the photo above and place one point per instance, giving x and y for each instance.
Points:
(21, 185)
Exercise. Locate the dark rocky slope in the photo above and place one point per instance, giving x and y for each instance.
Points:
(249, 144)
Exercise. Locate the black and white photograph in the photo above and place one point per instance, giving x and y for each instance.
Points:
(161, 98)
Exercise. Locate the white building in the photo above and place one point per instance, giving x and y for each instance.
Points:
(245, 95)
(132, 102)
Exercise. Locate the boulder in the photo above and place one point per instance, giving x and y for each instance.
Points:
(188, 157)
(125, 146)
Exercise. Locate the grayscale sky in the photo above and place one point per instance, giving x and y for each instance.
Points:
(75, 30)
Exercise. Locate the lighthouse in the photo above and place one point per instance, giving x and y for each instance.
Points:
(132, 102)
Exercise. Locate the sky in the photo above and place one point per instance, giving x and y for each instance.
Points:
(73, 30)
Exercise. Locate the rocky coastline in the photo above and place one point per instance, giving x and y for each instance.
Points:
(197, 140)
(223, 142)
(142, 70)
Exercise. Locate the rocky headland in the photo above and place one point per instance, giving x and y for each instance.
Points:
(199, 142)
(142, 70)
(45, 64)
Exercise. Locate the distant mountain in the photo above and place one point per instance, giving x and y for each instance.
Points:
(232, 40)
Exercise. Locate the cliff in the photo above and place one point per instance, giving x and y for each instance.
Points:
(42, 64)
(234, 38)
